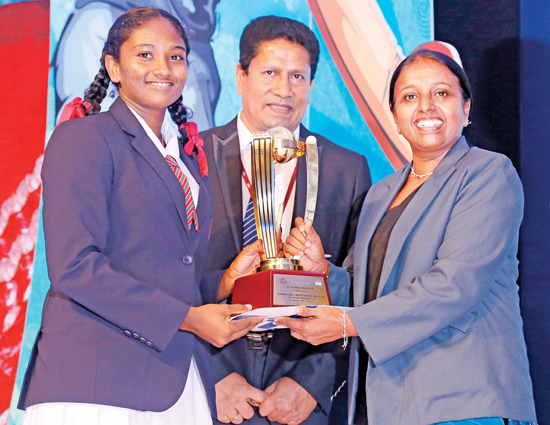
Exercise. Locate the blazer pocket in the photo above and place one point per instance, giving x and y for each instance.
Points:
(464, 323)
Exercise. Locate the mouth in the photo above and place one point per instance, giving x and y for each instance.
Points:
(160, 83)
(429, 123)
(280, 107)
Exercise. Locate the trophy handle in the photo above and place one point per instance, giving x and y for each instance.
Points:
(312, 156)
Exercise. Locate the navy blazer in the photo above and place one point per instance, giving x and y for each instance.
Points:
(124, 270)
(344, 179)
(445, 334)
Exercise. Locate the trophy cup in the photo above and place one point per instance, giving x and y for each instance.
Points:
(280, 281)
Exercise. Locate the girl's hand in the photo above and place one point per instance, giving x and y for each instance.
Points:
(211, 322)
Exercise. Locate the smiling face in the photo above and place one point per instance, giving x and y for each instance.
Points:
(430, 111)
(152, 69)
(275, 90)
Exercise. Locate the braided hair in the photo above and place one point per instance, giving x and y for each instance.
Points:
(118, 34)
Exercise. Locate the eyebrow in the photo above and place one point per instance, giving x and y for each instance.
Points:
(142, 45)
(412, 86)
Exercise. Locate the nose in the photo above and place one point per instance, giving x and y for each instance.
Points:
(161, 67)
(425, 103)
(282, 86)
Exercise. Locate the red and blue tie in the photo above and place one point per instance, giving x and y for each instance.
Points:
(189, 204)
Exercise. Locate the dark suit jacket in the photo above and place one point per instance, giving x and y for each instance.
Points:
(344, 179)
(124, 270)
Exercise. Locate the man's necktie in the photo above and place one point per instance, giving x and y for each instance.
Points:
(250, 234)
(189, 204)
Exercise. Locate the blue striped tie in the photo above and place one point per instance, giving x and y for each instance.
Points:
(250, 234)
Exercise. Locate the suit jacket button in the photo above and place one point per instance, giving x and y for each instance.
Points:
(187, 260)
(149, 344)
(142, 340)
(128, 333)
(135, 335)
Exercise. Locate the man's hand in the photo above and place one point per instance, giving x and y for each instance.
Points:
(235, 395)
(304, 241)
(288, 402)
(211, 322)
(245, 263)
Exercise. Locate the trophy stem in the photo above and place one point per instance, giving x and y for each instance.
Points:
(263, 178)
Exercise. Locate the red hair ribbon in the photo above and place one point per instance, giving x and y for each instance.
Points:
(74, 109)
(195, 141)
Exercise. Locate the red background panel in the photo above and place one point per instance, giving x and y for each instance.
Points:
(24, 63)
(24, 51)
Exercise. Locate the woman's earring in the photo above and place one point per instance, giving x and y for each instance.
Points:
(468, 122)
(398, 129)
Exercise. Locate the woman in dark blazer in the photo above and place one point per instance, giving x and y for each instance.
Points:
(127, 215)
(434, 270)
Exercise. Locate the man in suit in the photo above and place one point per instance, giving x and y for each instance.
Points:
(290, 381)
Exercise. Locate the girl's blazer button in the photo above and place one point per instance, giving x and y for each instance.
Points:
(187, 260)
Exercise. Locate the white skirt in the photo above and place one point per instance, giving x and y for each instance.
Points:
(190, 409)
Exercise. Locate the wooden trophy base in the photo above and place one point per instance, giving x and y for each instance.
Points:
(281, 288)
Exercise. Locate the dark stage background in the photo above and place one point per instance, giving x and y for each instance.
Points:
(505, 49)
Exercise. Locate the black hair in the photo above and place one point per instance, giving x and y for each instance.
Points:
(120, 32)
(443, 59)
(269, 28)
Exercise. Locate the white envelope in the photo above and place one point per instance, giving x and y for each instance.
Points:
(272, 312)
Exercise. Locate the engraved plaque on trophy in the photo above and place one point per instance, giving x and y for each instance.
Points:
(280, 281)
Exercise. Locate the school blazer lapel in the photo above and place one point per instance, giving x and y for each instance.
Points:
(146, 148)
(204, 204)
(416, 208)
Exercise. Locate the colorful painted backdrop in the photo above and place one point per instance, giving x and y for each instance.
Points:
(24, 40)
(53, 49)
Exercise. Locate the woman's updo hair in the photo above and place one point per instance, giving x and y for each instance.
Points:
(120, 32)
(443, 59)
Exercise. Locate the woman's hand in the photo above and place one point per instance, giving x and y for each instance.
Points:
(211, 322)
(245, 263)
(319, 325)
(304, 241)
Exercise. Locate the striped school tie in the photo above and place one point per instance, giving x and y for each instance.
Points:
(250, 233)
(189, 204)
